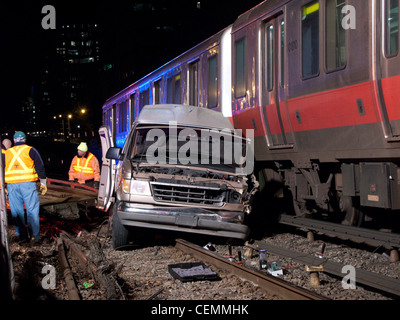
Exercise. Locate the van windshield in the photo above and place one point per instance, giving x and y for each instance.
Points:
(188, 146)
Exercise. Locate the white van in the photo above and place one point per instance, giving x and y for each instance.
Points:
(181, 168)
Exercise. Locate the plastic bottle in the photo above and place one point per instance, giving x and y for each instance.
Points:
(263, 260)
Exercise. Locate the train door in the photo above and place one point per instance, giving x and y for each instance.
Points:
(106, 188)
(274, 95)
(388, 68)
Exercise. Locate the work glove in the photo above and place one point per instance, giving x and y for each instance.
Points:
(43, 186)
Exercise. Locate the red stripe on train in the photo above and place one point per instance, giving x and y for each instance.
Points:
(328, 109)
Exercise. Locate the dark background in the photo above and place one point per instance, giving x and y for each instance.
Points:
(135, 37)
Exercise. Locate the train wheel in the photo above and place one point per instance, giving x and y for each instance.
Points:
(353, 214)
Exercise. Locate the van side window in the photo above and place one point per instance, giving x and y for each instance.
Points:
(310, 39)
(240, 68)
(335, 35)
(212, 95)
(391, 27)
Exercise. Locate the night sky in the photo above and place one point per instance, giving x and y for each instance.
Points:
(126, 42)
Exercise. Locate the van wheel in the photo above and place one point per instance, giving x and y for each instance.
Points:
(120, 234)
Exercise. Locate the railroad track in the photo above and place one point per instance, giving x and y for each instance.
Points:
(368, 279)
(269, 283)
(360, 235)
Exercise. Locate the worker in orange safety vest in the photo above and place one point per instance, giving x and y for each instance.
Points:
(85, 167)
(23, 168)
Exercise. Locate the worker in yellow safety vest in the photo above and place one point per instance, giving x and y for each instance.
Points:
(23, 168)
(85, 167)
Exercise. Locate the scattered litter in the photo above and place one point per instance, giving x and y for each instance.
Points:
(275, 268)
(322, 251)
(88, 285)
(263, 260)
(209, 246)
(192, 271)
(385, 255)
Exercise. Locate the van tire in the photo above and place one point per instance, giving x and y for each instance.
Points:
(120, 234)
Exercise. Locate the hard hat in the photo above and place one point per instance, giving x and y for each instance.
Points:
(19, 136)
(83, 147)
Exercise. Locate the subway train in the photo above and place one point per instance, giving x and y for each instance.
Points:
(318, 82)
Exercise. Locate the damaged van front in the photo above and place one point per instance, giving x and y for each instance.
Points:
(182, 169)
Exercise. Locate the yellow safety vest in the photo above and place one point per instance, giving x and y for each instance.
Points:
(85, 169)
(19, 165)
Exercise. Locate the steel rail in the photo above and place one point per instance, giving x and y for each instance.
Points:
(269, 283)
(363, 277)
(368, 236)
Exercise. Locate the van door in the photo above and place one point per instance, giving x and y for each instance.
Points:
(107, 179)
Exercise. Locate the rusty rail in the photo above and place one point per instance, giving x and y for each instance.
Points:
(269, 283)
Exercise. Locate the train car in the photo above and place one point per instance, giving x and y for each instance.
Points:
(199, 77)
(317, 81)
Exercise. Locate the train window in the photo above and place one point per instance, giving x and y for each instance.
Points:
(144, 99)
(177, 89)
(335, 35)
(157, 92)
(282, 31)
(212, 88)
(270, 58)
(170, 96)
(133, 108)
(240, 68)
(174, 89)
(122, 116)
(310, 39)
(194, 83)
(392, 27)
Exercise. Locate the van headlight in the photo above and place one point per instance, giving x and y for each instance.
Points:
(136, 187)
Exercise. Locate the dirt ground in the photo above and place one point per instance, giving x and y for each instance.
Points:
(33, 264)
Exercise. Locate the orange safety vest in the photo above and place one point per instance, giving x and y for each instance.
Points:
(19, 165)
(83, 169)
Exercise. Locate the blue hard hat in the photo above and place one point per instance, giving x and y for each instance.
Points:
(19, 136)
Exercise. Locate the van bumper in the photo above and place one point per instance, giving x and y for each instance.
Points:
(183, 219)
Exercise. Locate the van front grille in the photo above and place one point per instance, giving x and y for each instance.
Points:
(180, 193)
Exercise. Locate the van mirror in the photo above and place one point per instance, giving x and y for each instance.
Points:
(114, 153)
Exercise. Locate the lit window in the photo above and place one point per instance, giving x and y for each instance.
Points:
(310, 39)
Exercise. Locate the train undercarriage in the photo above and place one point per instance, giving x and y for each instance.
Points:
(353, 194)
